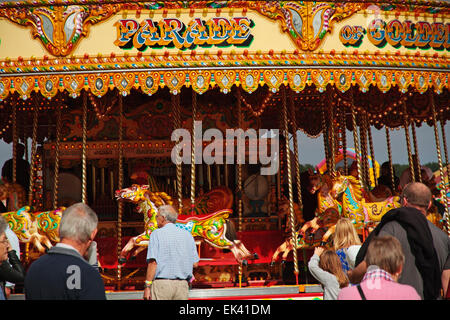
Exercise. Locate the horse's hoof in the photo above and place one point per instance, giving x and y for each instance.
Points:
(122, 260)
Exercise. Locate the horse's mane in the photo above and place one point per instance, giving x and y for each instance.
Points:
(354, 184)
(159, 198)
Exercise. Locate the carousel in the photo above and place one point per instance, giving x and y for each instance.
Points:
(131, 105)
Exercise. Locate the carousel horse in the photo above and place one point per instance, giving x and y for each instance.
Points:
(37, 228)
(214, 228)
(327, 213)
(355, 207)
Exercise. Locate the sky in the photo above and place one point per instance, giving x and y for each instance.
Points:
(311, 151)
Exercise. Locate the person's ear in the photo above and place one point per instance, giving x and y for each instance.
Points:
(403, 201)
(93, 234)
(398, 273)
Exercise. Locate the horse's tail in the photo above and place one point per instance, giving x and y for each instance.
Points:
(231, 233)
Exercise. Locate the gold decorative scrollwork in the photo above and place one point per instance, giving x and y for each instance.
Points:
(200, 80)
(306, 22)
(175, 81)
(149, 82)
(60, 28)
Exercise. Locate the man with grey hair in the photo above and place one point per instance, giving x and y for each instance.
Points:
(63, 273)
(171, 256)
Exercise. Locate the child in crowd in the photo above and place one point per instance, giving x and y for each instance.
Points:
(346, 243)
(326, 267)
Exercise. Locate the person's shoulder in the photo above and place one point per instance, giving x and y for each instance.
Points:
(438, 232)
(347, 293)
(391, 226)
(44, 262)
(182, 231)
(407, 292)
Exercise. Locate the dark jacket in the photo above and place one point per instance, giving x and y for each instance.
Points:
(11, 270)
(63, 274)
(22, 172)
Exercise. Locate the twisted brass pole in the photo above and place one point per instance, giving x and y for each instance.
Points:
(291, 196)
(344, 140)
(176, 110)
(239, 186)
(391, 168)
(298, 174)
(416, 151)
(325, 136)
(296, 152)
(33, 152)
(120, 186)
(408, 142)
(14, 134)
(372, 152)
(441, 169)
(56, 170)
(83, 151)
(356, 142)
(332, 168)
(363, 145)
(193, 143)
(444, 140)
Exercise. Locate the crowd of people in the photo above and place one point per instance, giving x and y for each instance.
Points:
(405, 257)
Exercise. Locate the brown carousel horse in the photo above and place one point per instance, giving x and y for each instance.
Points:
(214, 228)
(327, 213)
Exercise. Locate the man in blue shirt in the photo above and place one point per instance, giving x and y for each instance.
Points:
(171, 257)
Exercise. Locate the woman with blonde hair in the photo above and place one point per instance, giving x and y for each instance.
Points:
(346, 243)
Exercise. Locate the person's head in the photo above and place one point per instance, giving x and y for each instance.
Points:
(345, 234)
(330, 262)
(386, 253)
(78, 225)
(417, 195)
(20, 150)
(166, 214)
(4, 243)
(386, 169)
(353, 170)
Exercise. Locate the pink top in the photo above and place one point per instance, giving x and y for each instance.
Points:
(377, 284)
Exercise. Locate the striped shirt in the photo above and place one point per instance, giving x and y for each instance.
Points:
(174, 251)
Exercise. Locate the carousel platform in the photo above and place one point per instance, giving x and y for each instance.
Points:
(294, 292)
